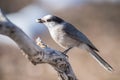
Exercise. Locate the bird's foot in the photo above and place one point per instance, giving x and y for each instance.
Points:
(65, 55)
(66, 51)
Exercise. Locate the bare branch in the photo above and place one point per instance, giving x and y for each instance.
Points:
(37, 54)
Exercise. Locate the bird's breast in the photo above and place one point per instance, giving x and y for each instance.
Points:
(62, 38)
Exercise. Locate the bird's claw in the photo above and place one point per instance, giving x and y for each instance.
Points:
(65, 52)
(65, 55)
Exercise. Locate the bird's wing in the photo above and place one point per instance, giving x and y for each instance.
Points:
(76, 34)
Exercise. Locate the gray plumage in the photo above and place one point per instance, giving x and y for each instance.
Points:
(67, 36)
(72, 32)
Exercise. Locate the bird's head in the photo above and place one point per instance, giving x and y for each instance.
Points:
(50, 20)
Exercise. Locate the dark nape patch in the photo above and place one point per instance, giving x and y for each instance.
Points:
(57, 19)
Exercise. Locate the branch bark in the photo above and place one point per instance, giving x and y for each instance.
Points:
(37, 54)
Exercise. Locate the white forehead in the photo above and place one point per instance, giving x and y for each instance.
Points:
(47, 17)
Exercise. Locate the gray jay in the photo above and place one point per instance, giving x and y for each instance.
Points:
(67, 36)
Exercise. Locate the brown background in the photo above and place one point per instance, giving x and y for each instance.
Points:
(99, 21)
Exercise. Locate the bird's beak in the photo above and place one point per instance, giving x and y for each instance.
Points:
(40, 21)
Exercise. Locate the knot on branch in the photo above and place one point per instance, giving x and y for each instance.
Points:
(37, 58)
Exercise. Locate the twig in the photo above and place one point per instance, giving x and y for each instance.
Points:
(37, 54)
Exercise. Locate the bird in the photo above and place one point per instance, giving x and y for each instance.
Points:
(68, 37)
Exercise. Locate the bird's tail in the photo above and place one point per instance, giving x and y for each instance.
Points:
(101, 61)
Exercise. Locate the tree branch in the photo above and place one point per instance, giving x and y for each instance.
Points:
(37, 54)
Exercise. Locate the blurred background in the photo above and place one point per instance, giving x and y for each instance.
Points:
(98, 19)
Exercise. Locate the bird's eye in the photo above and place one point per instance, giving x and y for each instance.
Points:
(49, 20)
